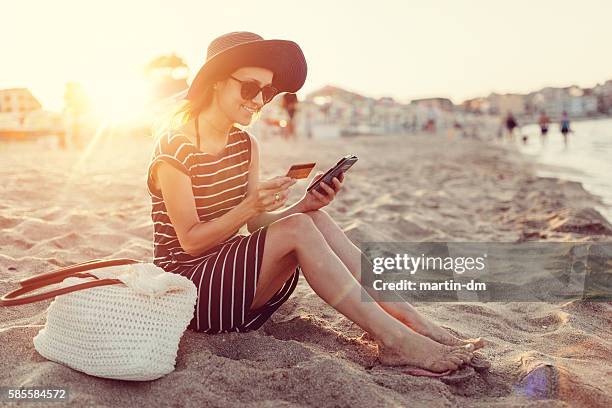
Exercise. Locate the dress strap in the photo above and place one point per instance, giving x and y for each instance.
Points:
(197, 131)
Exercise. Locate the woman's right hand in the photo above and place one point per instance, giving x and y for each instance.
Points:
(262, 199)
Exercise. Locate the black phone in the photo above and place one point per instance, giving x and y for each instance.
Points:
(342, 166)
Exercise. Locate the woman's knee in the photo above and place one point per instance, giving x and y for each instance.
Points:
(319, 216)
(293, 228)
(297, 224)
(284, 232)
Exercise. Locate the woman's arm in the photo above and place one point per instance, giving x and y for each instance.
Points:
(194, 236)
(266, 217)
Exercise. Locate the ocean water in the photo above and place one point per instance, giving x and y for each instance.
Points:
(587, 157)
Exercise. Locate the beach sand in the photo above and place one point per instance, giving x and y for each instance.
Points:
(62, 207)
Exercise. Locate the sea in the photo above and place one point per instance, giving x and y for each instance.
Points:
(586, 158)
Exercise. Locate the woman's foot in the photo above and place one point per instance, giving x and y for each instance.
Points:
(443, 336)
(419, 351)
(420, 324)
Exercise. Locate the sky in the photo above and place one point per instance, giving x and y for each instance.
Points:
(404, 49)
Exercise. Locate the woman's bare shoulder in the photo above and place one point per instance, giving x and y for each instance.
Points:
(185, 131)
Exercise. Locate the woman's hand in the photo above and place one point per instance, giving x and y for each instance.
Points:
(263, 197)
(313, 200)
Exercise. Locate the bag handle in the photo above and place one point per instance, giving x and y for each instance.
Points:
(45, 279)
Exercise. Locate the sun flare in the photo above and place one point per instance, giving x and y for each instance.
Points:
(121, 101)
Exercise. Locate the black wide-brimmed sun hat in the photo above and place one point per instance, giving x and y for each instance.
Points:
(239, 49)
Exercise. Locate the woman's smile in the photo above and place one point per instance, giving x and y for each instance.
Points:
(248, 109)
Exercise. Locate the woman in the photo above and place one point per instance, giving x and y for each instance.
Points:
(510, 125)
(204, 183)
(565, 127)
(544, 122)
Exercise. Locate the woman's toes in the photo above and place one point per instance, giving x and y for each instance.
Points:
(461, 352)
(464, 353)
(456, 360)
(465, 358)
(478, 342)
(468, 347)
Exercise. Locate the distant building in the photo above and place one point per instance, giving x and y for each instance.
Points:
(432, 114)
(502, 104)
(349, 112)
(22, 114)
(589, 102)
(332, 111)
(443, 104)
(476, 105)
(603, 93)
(577, 102)
(16, 100)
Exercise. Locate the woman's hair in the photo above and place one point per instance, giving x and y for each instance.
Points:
(181, 112)
(184, 110)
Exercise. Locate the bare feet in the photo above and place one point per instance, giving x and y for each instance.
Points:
(420, 324)
(441, 335)
(419, 351)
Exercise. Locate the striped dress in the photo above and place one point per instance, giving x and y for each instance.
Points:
(225, 275)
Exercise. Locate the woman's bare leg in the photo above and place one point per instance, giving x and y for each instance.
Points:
(333, 282)
(277, 273)
(398, 308)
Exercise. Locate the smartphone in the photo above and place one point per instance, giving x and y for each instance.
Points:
(342, 166)
(300, 171)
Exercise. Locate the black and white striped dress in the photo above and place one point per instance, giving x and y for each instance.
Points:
(225, 275)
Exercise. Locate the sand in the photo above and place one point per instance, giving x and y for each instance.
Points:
(62, 207)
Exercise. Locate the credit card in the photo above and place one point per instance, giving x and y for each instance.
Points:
(300, 171)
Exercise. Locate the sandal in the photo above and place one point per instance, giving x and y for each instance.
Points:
(460, 375)
(480, 363)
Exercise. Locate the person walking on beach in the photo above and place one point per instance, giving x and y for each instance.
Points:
(430, 126)
(308, 124)
(511, 124)
(565, 127)
(544, 122)
(203, 179)
(290, 101)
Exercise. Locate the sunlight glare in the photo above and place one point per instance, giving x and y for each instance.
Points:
(120, 102)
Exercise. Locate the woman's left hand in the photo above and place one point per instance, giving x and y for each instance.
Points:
(313, 200)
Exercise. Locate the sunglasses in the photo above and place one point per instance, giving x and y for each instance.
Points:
(250, 89)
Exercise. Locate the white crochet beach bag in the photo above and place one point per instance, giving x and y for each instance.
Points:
(126, 325)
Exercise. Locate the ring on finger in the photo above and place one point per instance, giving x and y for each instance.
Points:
(276, 197)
